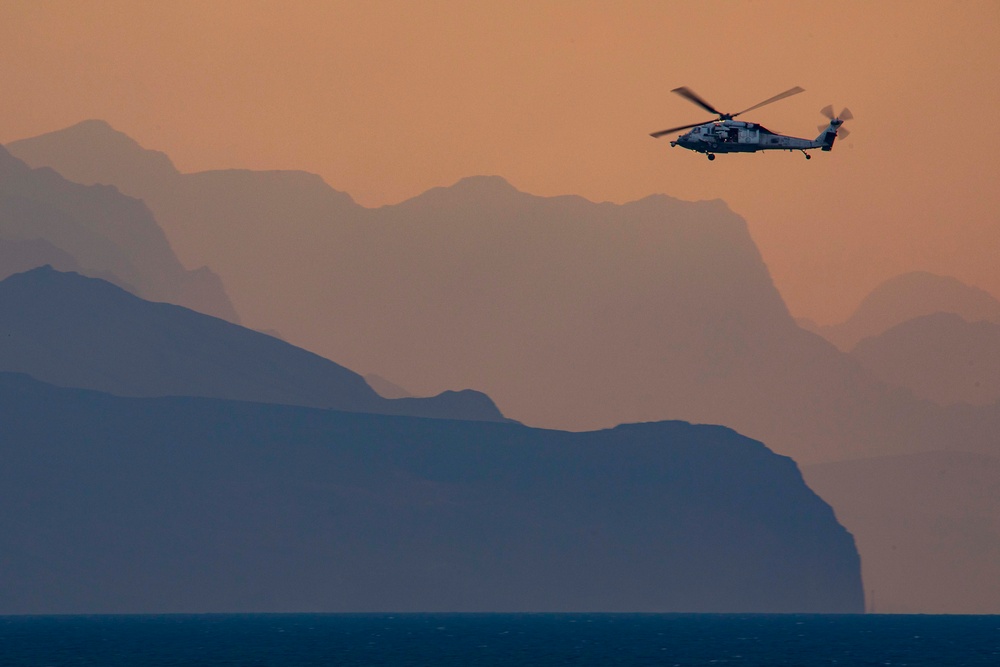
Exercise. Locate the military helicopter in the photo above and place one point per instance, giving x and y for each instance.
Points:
(726, 135)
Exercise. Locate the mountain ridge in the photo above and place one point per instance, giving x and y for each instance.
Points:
(75, 331)
(195, 505)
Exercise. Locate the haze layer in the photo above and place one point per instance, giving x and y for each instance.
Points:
(387, 100)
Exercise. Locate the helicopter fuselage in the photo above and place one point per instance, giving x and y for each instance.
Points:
(727, 135)
(736, 136)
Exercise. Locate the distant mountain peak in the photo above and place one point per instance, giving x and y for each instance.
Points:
(95, 125)
(907, 296)
(920, 285)
(489, 183)
(94, 129)
(468, 191)
(924, 278)
(87, 150)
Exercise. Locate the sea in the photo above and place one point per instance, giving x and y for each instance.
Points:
(467, 640)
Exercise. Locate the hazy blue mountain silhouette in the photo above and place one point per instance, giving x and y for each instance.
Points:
(276, 204)
(92, 152)
(107, 235)
(906, 297)
(939, 357)
(568, 313)
(927, 526)
(74, 331)
(195, 505)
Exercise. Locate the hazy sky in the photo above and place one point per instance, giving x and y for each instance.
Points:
(388, 99)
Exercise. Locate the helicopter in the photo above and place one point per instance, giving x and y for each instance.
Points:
(726, 135)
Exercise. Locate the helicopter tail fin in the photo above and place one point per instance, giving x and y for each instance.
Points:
(828, 135)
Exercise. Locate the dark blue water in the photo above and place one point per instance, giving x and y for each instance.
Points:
(500, 639)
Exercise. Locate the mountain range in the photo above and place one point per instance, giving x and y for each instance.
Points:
(909, 296)
(117, 504)
(182, 504)
(567, 313)
(46, 219)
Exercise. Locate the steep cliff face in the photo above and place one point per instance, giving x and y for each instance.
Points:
(107, 234)
(182, 504)
(927, 525)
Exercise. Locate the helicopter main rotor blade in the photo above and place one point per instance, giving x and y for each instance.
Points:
(780, 96)
(657, 135)
(691, 96)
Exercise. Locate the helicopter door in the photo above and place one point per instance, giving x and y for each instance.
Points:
(750, 136)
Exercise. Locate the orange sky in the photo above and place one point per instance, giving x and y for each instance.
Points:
(387, 99)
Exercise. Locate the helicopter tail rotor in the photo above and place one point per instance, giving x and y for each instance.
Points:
(829, 132)
(845, 114)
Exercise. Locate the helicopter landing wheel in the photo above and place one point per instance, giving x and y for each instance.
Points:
(809, 157)
(711, 156)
